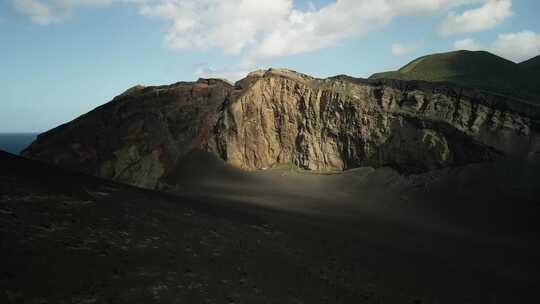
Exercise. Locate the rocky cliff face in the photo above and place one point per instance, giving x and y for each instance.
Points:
(280, 117)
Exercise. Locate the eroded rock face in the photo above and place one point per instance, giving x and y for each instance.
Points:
(342, 123)
(282, 117)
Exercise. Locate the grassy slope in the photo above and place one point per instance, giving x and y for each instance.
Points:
(478, 69)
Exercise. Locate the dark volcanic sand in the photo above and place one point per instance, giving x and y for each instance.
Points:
(463, 235)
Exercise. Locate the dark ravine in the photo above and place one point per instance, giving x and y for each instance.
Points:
(279, 117)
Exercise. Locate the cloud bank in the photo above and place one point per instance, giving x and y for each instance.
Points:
(517, 47)
(274, 28)
(258, 31)
(262, 30)
(269, 28)
(483, 18)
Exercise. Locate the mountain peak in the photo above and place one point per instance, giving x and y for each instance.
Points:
(273, 72)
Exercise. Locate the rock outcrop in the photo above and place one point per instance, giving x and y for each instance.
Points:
(280, 117)
(138, 136)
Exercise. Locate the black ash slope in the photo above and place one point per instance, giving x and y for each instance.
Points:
(70, 238)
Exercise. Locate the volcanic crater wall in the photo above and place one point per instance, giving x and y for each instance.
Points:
(337, 124)
(280, 117)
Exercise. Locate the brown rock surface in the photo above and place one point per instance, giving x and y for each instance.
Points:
(279, 117)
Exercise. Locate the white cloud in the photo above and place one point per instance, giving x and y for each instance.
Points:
(45, 12)
(228, 25)
(311, 30)
(517, 47)
(307, 31)
(485, 17)
(260, 30)
(467, 44)
(399, 49)
(270, 27)
(273, 28)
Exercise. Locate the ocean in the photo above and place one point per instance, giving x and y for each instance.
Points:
(16, 142)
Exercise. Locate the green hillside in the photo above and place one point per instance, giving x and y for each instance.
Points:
(476, 69)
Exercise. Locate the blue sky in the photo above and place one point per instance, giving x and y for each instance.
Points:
(62, 58)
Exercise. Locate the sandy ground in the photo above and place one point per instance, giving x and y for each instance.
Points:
(461, 235)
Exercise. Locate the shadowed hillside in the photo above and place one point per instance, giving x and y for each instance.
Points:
(532, 64)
